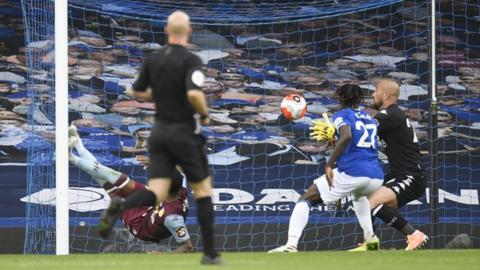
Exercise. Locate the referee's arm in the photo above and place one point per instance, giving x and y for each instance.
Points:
(193, 82)
(140, 89)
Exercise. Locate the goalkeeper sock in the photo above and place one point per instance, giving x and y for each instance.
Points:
(392, 218)
(362, 210)
(298, 221)
(100, 173)
(82, 151)
(205, 217)
(139, 198)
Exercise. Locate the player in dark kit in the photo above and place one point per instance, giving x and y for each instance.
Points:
(405, 182)
(146, 223)
(172, 77)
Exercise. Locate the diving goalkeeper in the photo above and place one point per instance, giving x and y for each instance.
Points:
(146, 223)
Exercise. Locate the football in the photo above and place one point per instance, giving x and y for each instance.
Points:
(293, 107)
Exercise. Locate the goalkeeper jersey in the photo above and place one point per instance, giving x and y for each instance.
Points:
(360, 158)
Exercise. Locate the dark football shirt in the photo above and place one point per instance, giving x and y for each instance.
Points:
(402, 147)
(171, 72)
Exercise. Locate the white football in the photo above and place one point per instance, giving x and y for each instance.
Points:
(293, 107)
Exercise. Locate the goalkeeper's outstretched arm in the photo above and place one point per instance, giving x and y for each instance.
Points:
(323, 130)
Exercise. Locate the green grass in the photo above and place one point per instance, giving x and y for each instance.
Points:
(328, 260)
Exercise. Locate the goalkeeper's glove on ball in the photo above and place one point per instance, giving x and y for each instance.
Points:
(322, 130)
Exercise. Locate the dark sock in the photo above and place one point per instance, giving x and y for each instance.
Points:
(139, 198)
(391, 217)
(205, 217)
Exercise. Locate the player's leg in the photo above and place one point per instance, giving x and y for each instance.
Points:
(176, 225)
(161, 167)
(138, 198)
(318, 192)
(202, 191)
(396, 193)
(299, 219)
(77, 143)
(300, 215)
(114, 182)
(99, 172)
(188, 153)
(362, 211)
(383, 195)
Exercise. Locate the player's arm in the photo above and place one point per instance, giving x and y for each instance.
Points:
(140, 89)
(345, 137)
(341, 144)
(176, 226)
(193, 83)
(198, 101)
(140, 96)
(144, 160)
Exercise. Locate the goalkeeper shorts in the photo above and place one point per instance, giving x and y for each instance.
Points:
(406, 187)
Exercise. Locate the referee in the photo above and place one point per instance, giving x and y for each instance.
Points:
(405, 182)
(175, 77)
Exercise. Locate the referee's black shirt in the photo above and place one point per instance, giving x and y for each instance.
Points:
(401, 142)
(171, 72)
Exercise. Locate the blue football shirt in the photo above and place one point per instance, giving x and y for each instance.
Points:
(360, 158)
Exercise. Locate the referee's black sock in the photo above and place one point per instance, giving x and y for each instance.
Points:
(139, 198)
(205, 217)
(392, 218)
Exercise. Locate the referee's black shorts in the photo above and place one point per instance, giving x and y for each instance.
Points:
(176, 144)
(406, 187)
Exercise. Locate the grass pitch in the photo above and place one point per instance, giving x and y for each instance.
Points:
(329, 260)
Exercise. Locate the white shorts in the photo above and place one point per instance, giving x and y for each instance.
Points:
(344, 185)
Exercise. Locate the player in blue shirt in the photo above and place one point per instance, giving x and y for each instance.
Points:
(358, 171)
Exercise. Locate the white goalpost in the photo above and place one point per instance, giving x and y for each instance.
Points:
(61, 127)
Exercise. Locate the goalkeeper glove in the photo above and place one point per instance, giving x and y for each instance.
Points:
(322, 130)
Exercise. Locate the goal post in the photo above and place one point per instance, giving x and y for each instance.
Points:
(61, 127)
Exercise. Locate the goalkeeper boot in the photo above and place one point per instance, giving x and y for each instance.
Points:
(373, 243)
(416, 240)
(72, 140)
(287, 249)
(360, 247)
(72, 131)
(72, 136)
(110, 217)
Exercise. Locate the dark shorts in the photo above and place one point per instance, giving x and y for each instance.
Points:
(176, 144)
(406, 187)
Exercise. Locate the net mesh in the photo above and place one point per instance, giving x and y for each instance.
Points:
(459, 115)
(39, 34)
(254, 54)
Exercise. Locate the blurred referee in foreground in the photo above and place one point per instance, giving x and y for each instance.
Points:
(175, 77)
